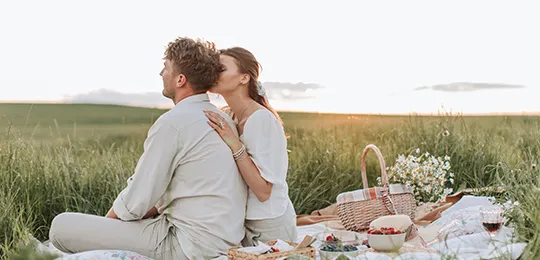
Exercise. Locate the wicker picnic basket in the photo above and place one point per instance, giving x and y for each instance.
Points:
(309, 251)
(357, 209)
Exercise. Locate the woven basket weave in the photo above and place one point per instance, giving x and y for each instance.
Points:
(233, 253)
(357, 215)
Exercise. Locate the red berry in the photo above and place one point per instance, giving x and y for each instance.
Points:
(399, 232)
(329, 238)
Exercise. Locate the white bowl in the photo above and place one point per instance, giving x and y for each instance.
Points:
(346, 237)
(386, 242)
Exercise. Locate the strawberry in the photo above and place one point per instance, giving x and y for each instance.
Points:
(329, 238)
(384, 231)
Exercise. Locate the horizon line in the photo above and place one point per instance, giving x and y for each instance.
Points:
(438, 113)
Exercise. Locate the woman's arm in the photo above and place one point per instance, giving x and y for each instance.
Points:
(250, 173)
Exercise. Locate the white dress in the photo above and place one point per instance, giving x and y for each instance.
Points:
(266, 144)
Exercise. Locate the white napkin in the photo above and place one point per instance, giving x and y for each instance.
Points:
(282, 246)
(405, 256)
(262, 248)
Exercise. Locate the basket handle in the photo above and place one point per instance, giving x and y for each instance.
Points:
(381, 163)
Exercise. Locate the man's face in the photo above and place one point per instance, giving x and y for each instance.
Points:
(168, 76)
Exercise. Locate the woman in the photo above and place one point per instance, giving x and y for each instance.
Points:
(260, 152)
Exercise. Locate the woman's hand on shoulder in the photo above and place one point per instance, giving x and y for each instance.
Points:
(220, 125)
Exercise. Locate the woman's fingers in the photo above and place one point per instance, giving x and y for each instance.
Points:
(212, 116)
(216, 119)
(215, 127)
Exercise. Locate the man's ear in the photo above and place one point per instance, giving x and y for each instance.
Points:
(181, 80)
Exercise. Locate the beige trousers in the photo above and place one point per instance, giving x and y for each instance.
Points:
(264, 230)
(76, 232)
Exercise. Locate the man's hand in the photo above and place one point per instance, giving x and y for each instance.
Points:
(151, 213)
(111, 214)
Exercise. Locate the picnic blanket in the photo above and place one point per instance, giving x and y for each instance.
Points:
(468, 241)
(425, 214)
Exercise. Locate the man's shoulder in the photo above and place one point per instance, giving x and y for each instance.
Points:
(182, 117)
(167, 117)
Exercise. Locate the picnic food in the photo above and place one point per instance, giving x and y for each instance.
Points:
(335, 248)
(334, 244)
(386, 238)
(384, 231)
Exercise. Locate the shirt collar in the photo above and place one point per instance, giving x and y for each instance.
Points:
(198, 98)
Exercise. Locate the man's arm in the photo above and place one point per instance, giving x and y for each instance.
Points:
(151, 213)
(152, 176)
(111, 214)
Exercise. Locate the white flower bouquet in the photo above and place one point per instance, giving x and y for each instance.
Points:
(428, 176)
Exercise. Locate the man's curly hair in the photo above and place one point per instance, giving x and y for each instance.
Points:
(197, 60)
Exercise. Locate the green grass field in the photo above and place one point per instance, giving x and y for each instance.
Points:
(56, 158)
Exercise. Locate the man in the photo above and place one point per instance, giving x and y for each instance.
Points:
(186, 176)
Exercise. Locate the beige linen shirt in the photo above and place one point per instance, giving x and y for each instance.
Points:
(189, 174)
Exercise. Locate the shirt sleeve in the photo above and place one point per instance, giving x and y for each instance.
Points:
(266, 144)
(153, 173)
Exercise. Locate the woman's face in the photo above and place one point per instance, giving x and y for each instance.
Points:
(230, 78)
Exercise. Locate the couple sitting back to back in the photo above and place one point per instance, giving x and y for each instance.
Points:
(208, 179)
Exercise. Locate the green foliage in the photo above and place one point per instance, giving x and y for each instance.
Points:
(57, 158)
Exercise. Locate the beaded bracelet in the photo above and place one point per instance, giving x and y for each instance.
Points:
(240, 152)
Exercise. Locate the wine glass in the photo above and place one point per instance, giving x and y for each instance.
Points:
(492, 219)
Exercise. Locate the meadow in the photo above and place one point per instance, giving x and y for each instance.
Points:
(57, 158)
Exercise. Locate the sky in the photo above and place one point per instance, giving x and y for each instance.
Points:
(369, 55)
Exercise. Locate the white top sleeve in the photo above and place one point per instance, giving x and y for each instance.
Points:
(266, 144)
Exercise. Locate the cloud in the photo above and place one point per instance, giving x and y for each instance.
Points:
(274, 91)
(468, 87)
(104, 96)
(289, 91)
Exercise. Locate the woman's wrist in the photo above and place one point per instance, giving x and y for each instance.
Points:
(236, 146)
